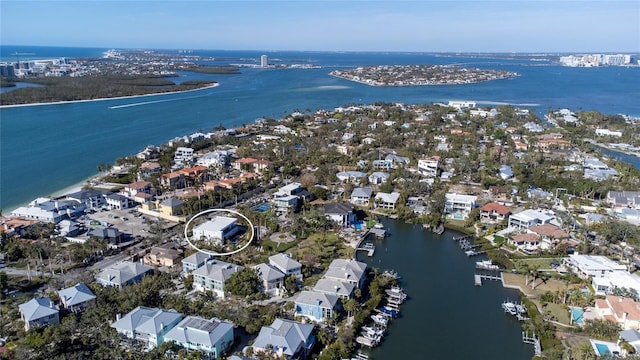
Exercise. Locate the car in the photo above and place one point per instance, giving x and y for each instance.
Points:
(125, 219)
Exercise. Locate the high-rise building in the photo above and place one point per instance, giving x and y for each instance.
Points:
(264, 61)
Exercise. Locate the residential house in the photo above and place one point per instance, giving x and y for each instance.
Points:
(91, 199)
(382, 164)
(550, 234)
(216, 158)
(287, 265)
(315, 306)
(38, 312)
(528, 242)
(386, 200)
(163, 255)
(350, 176)
(632, 337)
(622, 311)
(147, 325)
(271, 279)
(361, 196)
(397, 160)
(285, 339)
(342, 213)
(630, 199)
(77, 298)
(217, 230)
(340, 289)
(286, 198)
(378, 177)
(493, 213)
(183, 156)
(348, 271)
(68, 228)
(252, 164)
(211, 337)
(171, 206)
(459, 206)
(429, 166)
(530, 217)
(111, 234)
(213, 276)
(592, 265)
(17, 225)
(194, 261)
(140, 191)
(505, 172)
(173, 180)
(123, 273)
(147, 169)
(117, 201)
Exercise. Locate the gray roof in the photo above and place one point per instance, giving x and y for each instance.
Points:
(338, 208)
(146, 320)
(283, 261)
(268, 273)
(196, 330)
(121, 273)
(217, 270)
(362, 192)
(313, 298)
(77, 294)
(336, 287)
(346, 270)
(172, 202)
(197, 258)
(285, 335)
(116, 196)
(37, 308)
(85, 194)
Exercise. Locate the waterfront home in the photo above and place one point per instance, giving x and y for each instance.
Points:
(458, 206)
(285, 339)
(91, 199)
(213, 276)
(527, 242)
(361, 196)
(217, 230)
(147, 325)
(342, 213)
(587, 266)
(429, 167)
(50, 211)
(622, 311)
(315, 306)
(340, 289)
(607, 132)
(163, 255)
(183, 156)
(147, 169)
(123, 273)
(530, 217)
(271, 279)
(493, 213)
(286, 265)
(347, 270)
(550, 234)
(38, 312)
(386, 200)
(609, 281)
(77, 298)
(17, 225)
(378, 177)
(211, 337)
(194, 261)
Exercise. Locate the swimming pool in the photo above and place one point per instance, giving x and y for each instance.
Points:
(262, 207)
(577, 315)
(603, 349)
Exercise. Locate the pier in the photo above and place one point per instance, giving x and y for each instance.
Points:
(464, 237)
(368, 247)
(477, 278)
(471, 253)
(534, 341)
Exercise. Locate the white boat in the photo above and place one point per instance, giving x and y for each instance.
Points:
(486, 265)
(392, 274)
(509, 307)
(380, 319)
(378, 226)
(396, 293)
(372, 332)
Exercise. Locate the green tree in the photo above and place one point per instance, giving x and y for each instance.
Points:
(243, 283)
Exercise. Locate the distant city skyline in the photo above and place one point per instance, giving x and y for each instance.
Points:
(420, 26)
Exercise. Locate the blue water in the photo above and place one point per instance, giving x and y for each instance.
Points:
(577, 314)
(46, 148)
(602, 349)
(262, 207)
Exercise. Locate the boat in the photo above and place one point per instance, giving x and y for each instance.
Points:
(396, 293)
(389, 311)
(372, 332)
(378, 226)
(509, 307)
(486, 265)
(380, 319)
(392, 274)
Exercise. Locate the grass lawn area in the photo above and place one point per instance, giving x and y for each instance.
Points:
(558, 312)
(541, 263)
(278, 247)
(517, 280)
(458, 225)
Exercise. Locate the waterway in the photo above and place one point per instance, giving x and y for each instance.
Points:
(446, 316)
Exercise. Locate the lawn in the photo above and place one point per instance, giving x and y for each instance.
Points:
(540, 263)
(558, 312)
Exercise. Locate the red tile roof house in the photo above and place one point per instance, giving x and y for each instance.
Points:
(527, 242)
(491, 213)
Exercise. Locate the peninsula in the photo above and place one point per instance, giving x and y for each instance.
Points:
(416, 75)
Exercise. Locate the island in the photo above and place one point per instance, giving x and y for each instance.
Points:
(420, 75)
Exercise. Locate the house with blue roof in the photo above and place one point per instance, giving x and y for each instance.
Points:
(211, 337)
(147, 325)
(316, 306)
(213, 275)
(38, 312)
(194, 261)
(77, 298)
(285, 339)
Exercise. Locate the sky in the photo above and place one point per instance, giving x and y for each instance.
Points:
(422, 26)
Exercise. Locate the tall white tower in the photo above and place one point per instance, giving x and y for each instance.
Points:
(264, 61)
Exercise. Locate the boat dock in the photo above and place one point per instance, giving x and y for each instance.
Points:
(534, 341)
(464, 237)
(477, 278)
(380, 233)
(471, 253)
(369, 248)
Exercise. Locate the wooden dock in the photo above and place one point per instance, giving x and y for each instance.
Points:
(464, 237)
(477, 278)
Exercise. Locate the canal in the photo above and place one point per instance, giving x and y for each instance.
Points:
(445, 316)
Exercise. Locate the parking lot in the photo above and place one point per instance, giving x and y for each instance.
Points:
(128, 221)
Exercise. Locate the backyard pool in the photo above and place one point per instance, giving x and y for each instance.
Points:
(577, 315)
(262, 207)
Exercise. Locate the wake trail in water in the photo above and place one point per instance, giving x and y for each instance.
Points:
(154, 102)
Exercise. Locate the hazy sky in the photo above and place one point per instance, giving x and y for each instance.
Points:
(473, 26)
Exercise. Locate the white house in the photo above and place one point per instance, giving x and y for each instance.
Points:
(429, 167)
(183, 156)
(38, 312)
(213, 275)
(271, 279)
(459, 206)
(386, 200)
(286, 265)
(529, 217)
(77, 298)
(122, 273)
(147, 325)
(285, 339)
(212, 337)
(217, 230)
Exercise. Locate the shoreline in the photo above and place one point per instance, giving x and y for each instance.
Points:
(106, 99)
